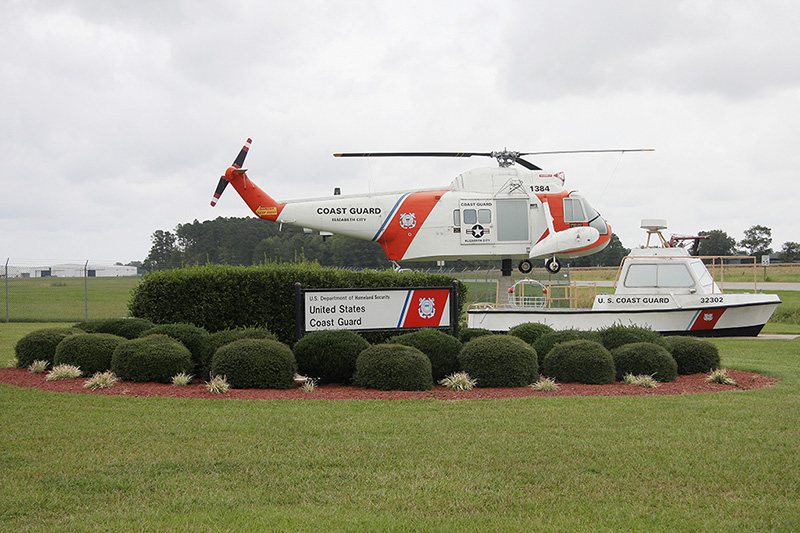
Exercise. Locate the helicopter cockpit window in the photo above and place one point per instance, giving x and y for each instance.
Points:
(573, 210)
(470, 217)
(456, 217)
(594, 218)
(484, 216)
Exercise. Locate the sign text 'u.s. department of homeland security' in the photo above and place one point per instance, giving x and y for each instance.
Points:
(376, 309)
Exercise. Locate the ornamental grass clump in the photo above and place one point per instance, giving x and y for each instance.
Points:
(101, 380)
(181, 379)
(62, 372)
(458, 381)
(442, 349)
(38, 367)
(720, 375)
(499, 361)
(309, 385)
(218, 385)
(330, 355)
(642, 380)
(544, 384)
(645, 358)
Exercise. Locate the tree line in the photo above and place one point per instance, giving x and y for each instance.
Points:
(252, 241)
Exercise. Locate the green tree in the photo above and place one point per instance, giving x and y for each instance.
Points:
(718, 243)
(757, 240)
(163, 254)
(790, 251)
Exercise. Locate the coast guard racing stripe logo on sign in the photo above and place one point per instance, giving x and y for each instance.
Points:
(426, 308)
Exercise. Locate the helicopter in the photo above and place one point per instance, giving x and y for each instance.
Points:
(515, 212)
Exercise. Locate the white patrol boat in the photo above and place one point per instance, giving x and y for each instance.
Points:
(663, 288)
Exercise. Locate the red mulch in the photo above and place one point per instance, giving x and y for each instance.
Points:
(693, 384)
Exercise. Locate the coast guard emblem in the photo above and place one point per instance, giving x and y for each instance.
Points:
(426, 308)
(408, 220)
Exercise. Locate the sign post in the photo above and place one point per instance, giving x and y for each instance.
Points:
(376, 309)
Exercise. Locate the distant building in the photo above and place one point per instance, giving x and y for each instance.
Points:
(71, 271)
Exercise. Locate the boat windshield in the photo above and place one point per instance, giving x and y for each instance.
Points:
(652, 275)
(703, 277)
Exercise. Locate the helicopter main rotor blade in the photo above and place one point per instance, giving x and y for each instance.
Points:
(527, 164)
(412, 154)
(589, 151)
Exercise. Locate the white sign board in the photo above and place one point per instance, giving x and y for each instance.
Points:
(376, 309)
(765, 260)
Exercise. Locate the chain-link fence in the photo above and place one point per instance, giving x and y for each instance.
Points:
(65, 291)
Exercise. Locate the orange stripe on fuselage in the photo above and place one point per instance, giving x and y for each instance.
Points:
(556, 203)
(397, 236)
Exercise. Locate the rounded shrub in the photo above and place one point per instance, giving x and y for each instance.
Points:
(442, 349)
(255, 364)
(499, 361)
(467, 334)
(329, 355)
(91, 352)
(213, 341)
(693, 355)
(580, 361)
(393, 367)
(530, 332)
(619, 335)
(154, 358)
(41, 345)
(189, 335)
(130, 328)
(645, 358)
(546, 342)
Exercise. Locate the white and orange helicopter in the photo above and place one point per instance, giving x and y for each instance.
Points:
(511, 213)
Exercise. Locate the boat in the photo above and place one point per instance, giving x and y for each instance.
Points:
(660, 287)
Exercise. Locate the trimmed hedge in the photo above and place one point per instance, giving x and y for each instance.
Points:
(616, 336)
(255, 363)
(330, 355)
(41, 345)
(393, 367)
(91, 352)
(546, 342)
(693, 355)
(442, 349)
(130, 328)
(530, 332)
(645, 358)
(499, 361)
(216, 340)
(154, 358)
(189, 335)
(580, 361)
(467, 334)
(224, 297)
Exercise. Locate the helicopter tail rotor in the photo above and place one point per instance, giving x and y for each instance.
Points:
(237, 166)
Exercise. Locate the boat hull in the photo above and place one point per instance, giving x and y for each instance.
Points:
(742, 319)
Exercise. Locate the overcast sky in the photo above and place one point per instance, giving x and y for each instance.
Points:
(118, 118)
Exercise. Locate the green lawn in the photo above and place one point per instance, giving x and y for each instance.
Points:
(67, 299)
(708, 462)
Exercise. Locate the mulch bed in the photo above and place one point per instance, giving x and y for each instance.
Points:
(693, 384)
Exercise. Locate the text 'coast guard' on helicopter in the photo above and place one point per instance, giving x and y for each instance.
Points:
(508, 213)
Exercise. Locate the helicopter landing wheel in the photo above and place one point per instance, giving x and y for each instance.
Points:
(553, 266)
(525, 266)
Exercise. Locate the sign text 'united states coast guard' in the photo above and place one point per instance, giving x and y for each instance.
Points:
(376, 309)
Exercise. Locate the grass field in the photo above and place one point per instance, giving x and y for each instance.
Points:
(708, 462)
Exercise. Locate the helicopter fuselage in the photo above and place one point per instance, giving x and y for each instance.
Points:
(485, 213)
